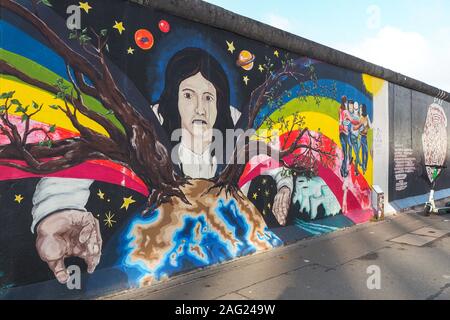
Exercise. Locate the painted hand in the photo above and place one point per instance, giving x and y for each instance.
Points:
(69, 233)
(281, 205)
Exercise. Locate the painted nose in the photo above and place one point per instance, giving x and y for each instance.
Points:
(200, 109)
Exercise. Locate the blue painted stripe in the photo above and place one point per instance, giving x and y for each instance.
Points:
(342, 88)
(19, 42)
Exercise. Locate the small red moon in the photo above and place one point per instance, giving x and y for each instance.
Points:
(144, 39)
(164, 26)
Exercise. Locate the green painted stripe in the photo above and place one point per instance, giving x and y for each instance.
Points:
(36, 71)
(327, 107)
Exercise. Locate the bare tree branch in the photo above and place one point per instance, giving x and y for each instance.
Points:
(139, 148)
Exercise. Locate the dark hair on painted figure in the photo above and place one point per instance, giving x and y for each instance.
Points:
(364, 110)
(183, 65)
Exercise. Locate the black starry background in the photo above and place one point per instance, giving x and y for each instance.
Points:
(15, 220)
(145, 68)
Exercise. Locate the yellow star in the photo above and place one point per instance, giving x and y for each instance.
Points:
(246, 80)
(267, 193)
(231, 47)
(127, 202)
(85, 6)
(18, 198)
(130, 50)
(100, 194)
(119, 26)
(276, 53)
(255, 196)
(264, 181)
(109, 220)
(268, 205)
(261, 68)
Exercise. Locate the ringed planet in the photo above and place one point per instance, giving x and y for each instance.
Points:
(246, 60)
(144, 39)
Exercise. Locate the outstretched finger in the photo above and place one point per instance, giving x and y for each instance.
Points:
(280, 215)
(93, 249)
(92, 263)
(59, 270)
(86, 232)
(98, 234)
(276, 207)
(91, 253)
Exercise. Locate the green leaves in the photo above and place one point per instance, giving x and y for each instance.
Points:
(73, 35)
(7, 95)
(82, 36)
(35, 105)
(52, 129)
(60, 95)
(46, 2)
(62, 89)
(21, 109)
(54, 107)
(24, 117)
(16, 102)
(46, 143)
(285, 173)
(60, 83)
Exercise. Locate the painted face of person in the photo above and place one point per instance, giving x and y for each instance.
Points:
(356, 108)
(350, 108)
(197, 104)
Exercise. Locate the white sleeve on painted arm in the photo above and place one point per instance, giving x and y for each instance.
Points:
(277, 175)
(56, 194)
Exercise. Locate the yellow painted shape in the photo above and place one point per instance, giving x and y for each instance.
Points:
(26, 93)
(373, 85)
(318, 122)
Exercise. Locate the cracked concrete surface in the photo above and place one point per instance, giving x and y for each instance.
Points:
(329, 267)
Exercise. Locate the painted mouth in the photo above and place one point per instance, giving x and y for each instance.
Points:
(199, 122)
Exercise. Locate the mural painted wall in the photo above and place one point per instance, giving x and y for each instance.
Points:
(419, 135)
(96, 174)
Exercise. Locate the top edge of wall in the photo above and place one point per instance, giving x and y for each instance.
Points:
(215, 16)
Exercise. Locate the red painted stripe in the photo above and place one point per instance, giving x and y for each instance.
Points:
(358, 199)
(95, 170)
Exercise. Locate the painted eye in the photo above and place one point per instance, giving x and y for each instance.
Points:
(187, 95)
(209, 98)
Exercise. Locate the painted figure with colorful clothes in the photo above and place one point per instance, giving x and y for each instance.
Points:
(363, 130)
(345, 125)
(354, 136)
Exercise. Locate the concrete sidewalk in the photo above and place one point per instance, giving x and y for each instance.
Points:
(329, 267)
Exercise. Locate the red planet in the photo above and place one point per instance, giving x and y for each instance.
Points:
(164, 26)
(144, 39)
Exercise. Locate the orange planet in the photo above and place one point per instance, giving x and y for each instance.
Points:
(144, 39)
(246, 60)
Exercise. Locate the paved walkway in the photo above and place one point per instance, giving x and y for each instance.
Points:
(334, 266)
